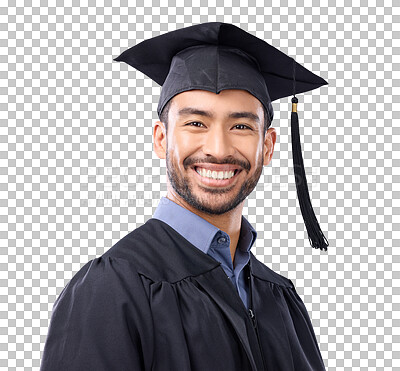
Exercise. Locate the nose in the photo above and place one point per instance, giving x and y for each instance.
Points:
(217, 143)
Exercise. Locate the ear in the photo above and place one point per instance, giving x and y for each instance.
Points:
(269, 144)
(160, 140)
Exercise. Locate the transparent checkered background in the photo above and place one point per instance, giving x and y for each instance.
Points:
(78, 171)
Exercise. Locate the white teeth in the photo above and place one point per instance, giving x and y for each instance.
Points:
(215, 174)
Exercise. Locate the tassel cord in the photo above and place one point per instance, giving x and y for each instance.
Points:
(315, 235)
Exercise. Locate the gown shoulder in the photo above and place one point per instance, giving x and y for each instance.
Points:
(263, 272)
(100, 320)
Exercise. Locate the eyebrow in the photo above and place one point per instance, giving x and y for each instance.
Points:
(235, 115)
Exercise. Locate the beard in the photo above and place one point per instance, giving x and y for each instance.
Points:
(213, 201)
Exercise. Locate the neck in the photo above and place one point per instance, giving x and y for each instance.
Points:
(229, 222)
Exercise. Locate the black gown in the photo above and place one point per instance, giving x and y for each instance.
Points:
(155, 302)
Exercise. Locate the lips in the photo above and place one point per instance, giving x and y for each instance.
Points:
(216, 182)
(217, 167)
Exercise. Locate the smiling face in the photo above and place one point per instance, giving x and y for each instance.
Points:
(215, 148)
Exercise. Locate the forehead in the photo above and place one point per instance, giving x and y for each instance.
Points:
(226, 100)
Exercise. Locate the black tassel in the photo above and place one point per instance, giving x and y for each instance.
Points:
(315, 235)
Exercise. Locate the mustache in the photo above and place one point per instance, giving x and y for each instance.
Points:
(212, 160)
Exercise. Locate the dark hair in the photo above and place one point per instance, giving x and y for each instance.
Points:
(164, 117)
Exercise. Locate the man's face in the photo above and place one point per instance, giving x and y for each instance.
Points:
(215, 136)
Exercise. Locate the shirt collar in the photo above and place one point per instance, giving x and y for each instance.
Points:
(197, 230)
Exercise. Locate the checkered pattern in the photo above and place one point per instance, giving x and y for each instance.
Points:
(78, 170)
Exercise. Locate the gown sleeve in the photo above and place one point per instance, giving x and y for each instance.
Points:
(308, 348)
(100, 321)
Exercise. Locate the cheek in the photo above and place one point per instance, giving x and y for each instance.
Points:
(252, 150)
(179, 148)
(255, 156)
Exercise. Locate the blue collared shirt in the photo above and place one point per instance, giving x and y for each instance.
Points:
(212, 241)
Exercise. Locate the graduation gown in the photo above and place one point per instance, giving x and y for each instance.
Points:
(155, 302)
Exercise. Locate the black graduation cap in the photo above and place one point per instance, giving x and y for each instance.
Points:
(215, 56)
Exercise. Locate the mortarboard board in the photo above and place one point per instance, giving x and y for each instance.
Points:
(215, 56)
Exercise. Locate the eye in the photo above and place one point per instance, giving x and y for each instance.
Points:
(245, 126)
(194, 122)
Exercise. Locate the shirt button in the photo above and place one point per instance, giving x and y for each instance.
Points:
(221, 240)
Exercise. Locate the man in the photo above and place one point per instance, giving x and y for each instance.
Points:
(183, 291)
